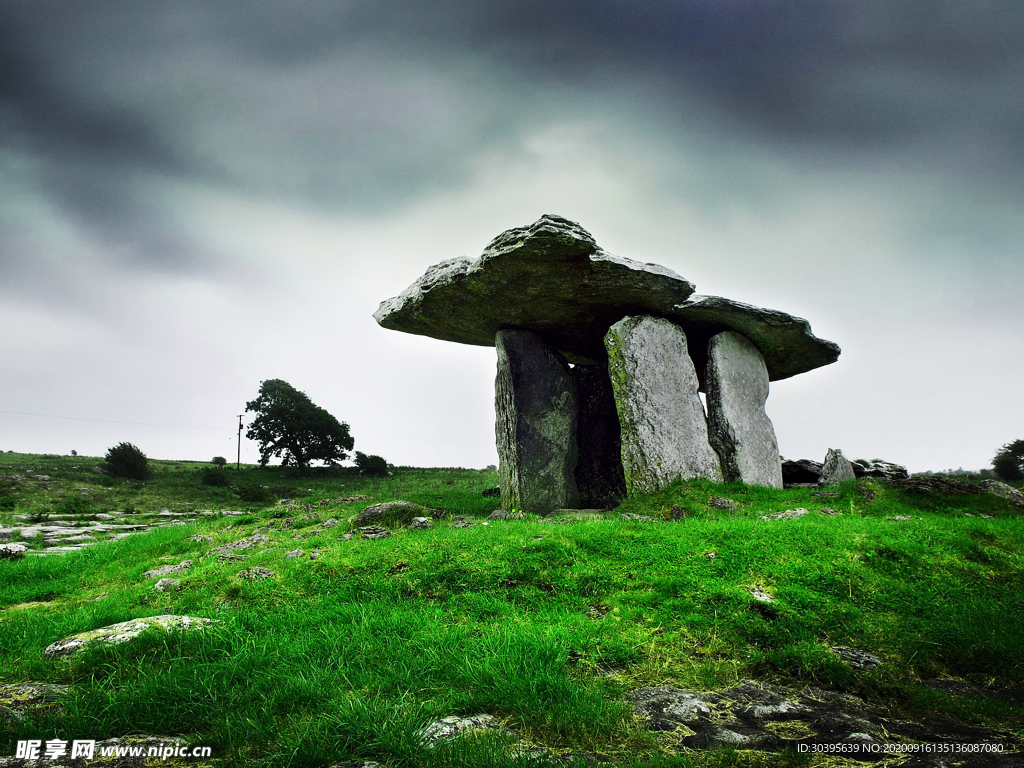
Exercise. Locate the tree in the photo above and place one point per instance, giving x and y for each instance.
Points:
(126, 460)
(220, 461)
(373, 466)
(289, 425)
(1009, 462)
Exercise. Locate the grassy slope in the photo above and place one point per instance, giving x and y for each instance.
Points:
(544, 626)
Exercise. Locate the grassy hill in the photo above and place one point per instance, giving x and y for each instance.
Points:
(550, 626)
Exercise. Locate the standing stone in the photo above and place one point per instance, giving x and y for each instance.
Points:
(836, 469)
(535, 428)
(738, 427)
(599, 476)
(664, 429)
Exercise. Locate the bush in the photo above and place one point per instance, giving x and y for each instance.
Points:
(7, 503)
(126, 460)
(220, 461)
(215, 476)
(373, 466)
(254, 492)
(74, 505)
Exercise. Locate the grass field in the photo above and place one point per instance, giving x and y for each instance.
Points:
(545, 626)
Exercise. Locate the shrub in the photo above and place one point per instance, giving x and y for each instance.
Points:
(215, 476)
(220, 461)
(374, 466)
(254, 492)
(126, 460)
(74, 505)
(7, 503)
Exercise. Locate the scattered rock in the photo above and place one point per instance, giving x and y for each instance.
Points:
(329, 523)
(759, 594)
(719, 502)
(800, 472)
(857, 658)
(166, 585)
(824, 494)
(256, 574)
(116, 634)
(242, 544)
(789, 514)
(448, 728)
(836, 469)
(1003, 491)
(167, 570)
(12, 551)
(374, 532)
(396, 511)
(637, 518)
(828, 512)
(350, 499)
(420, 523)
(664, 430)
(200, 538)
(355, 764)
(880, 470)
(18, 699)
(294, 553)
(462, 522)
(900, 518)
(738, 427)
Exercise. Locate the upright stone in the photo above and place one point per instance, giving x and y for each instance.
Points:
(535, 427)
(738, 427)
(836, 469)
(664, 429)
(599, 476)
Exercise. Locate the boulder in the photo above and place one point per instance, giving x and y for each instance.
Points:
(785, 341)
(17, 700)
(738, 427)
(393, 511)
(836, 469)
(421, 523)
(166, 585)
(535, 424)
(115, 634)
(12, 551)
(1003, 491)
(599, 476)
(664, 431)
(549, 277)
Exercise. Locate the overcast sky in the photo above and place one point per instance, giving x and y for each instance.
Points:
(199, 195)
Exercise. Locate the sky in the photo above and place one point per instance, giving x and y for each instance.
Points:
(199, 195)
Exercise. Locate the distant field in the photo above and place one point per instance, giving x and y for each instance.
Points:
(548, 626)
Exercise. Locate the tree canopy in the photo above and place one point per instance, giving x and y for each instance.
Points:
(1009, 462)
(290, 426)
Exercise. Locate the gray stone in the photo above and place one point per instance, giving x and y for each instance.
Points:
(421, 523)
(789, 514)
(448, 728)
(19, 699)
(857, 658)
(123, 632)
(880, 470)
(599, 476)
(785, 341)
(535, 426)
(356, 764)
(836, 469)
(937, 486)
(242, 544)
(718, 502)
(12, 551)
(200, 538)
(738, 427)
(1003, 491)
(166, 585)
(636, 518)
(800, 472)
(374, 532)
(664, 430)
(167, 570)
(393, 511)
(294, 553)
(549, 277)
(256, 574)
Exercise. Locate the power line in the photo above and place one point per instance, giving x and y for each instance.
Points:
(109, 421)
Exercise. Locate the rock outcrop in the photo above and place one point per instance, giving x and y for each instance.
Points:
(123, 632)
(664, 431)
(738, 427)
(836, 469)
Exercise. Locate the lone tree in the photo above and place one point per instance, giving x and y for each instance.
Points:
(127, 460)
(1009, 462)
(289, 425)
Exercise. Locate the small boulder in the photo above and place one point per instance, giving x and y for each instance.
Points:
(12, 551)
(880, 470)
(256, 574)
(167, 570)
(789, 514)
(294, 553)
(374, 532)
(836, 469)
(115, 634)
(242, 544)
(420, 523)
(857, 658)
(166, 585)
(19, 699)
(396, 511)
(636, 518)
(1003, 491)
(448, 728)
(719, 502)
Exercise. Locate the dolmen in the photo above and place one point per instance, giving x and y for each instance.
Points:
(601, 360)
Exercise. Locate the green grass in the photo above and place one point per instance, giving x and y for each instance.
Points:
(546, 627)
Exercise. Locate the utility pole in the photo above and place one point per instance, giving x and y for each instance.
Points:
(238, 462)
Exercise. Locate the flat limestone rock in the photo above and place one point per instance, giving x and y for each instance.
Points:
(738, 427)
(393, 511)
(18, 699)
(535, 424)
(785, 341)
(549, 277)
(116, 634)
(663, 428)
